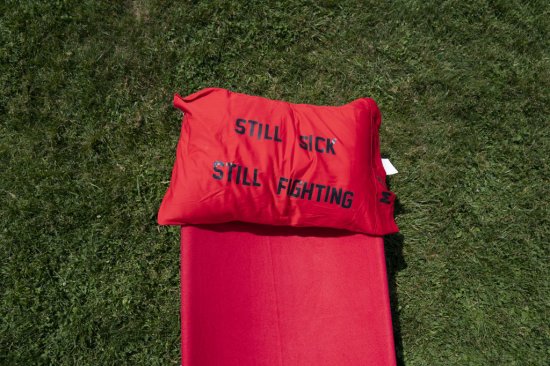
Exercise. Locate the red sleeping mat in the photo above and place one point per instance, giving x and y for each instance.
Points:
(283, 296)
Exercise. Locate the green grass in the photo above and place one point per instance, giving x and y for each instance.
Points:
(88, 135)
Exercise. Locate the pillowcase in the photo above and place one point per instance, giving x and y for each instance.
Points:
(248, 158)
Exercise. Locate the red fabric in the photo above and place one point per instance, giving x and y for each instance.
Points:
(261, 295)
(253, 159)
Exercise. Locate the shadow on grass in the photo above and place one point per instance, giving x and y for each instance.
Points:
(395, 262)
(393, 247)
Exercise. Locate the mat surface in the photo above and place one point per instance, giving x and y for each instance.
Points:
(281, 296)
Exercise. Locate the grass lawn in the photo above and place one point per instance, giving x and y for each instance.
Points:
(88, 135)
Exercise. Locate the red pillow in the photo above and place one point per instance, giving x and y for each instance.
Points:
(253, 159)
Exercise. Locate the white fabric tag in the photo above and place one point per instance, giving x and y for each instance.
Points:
(388, 167)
